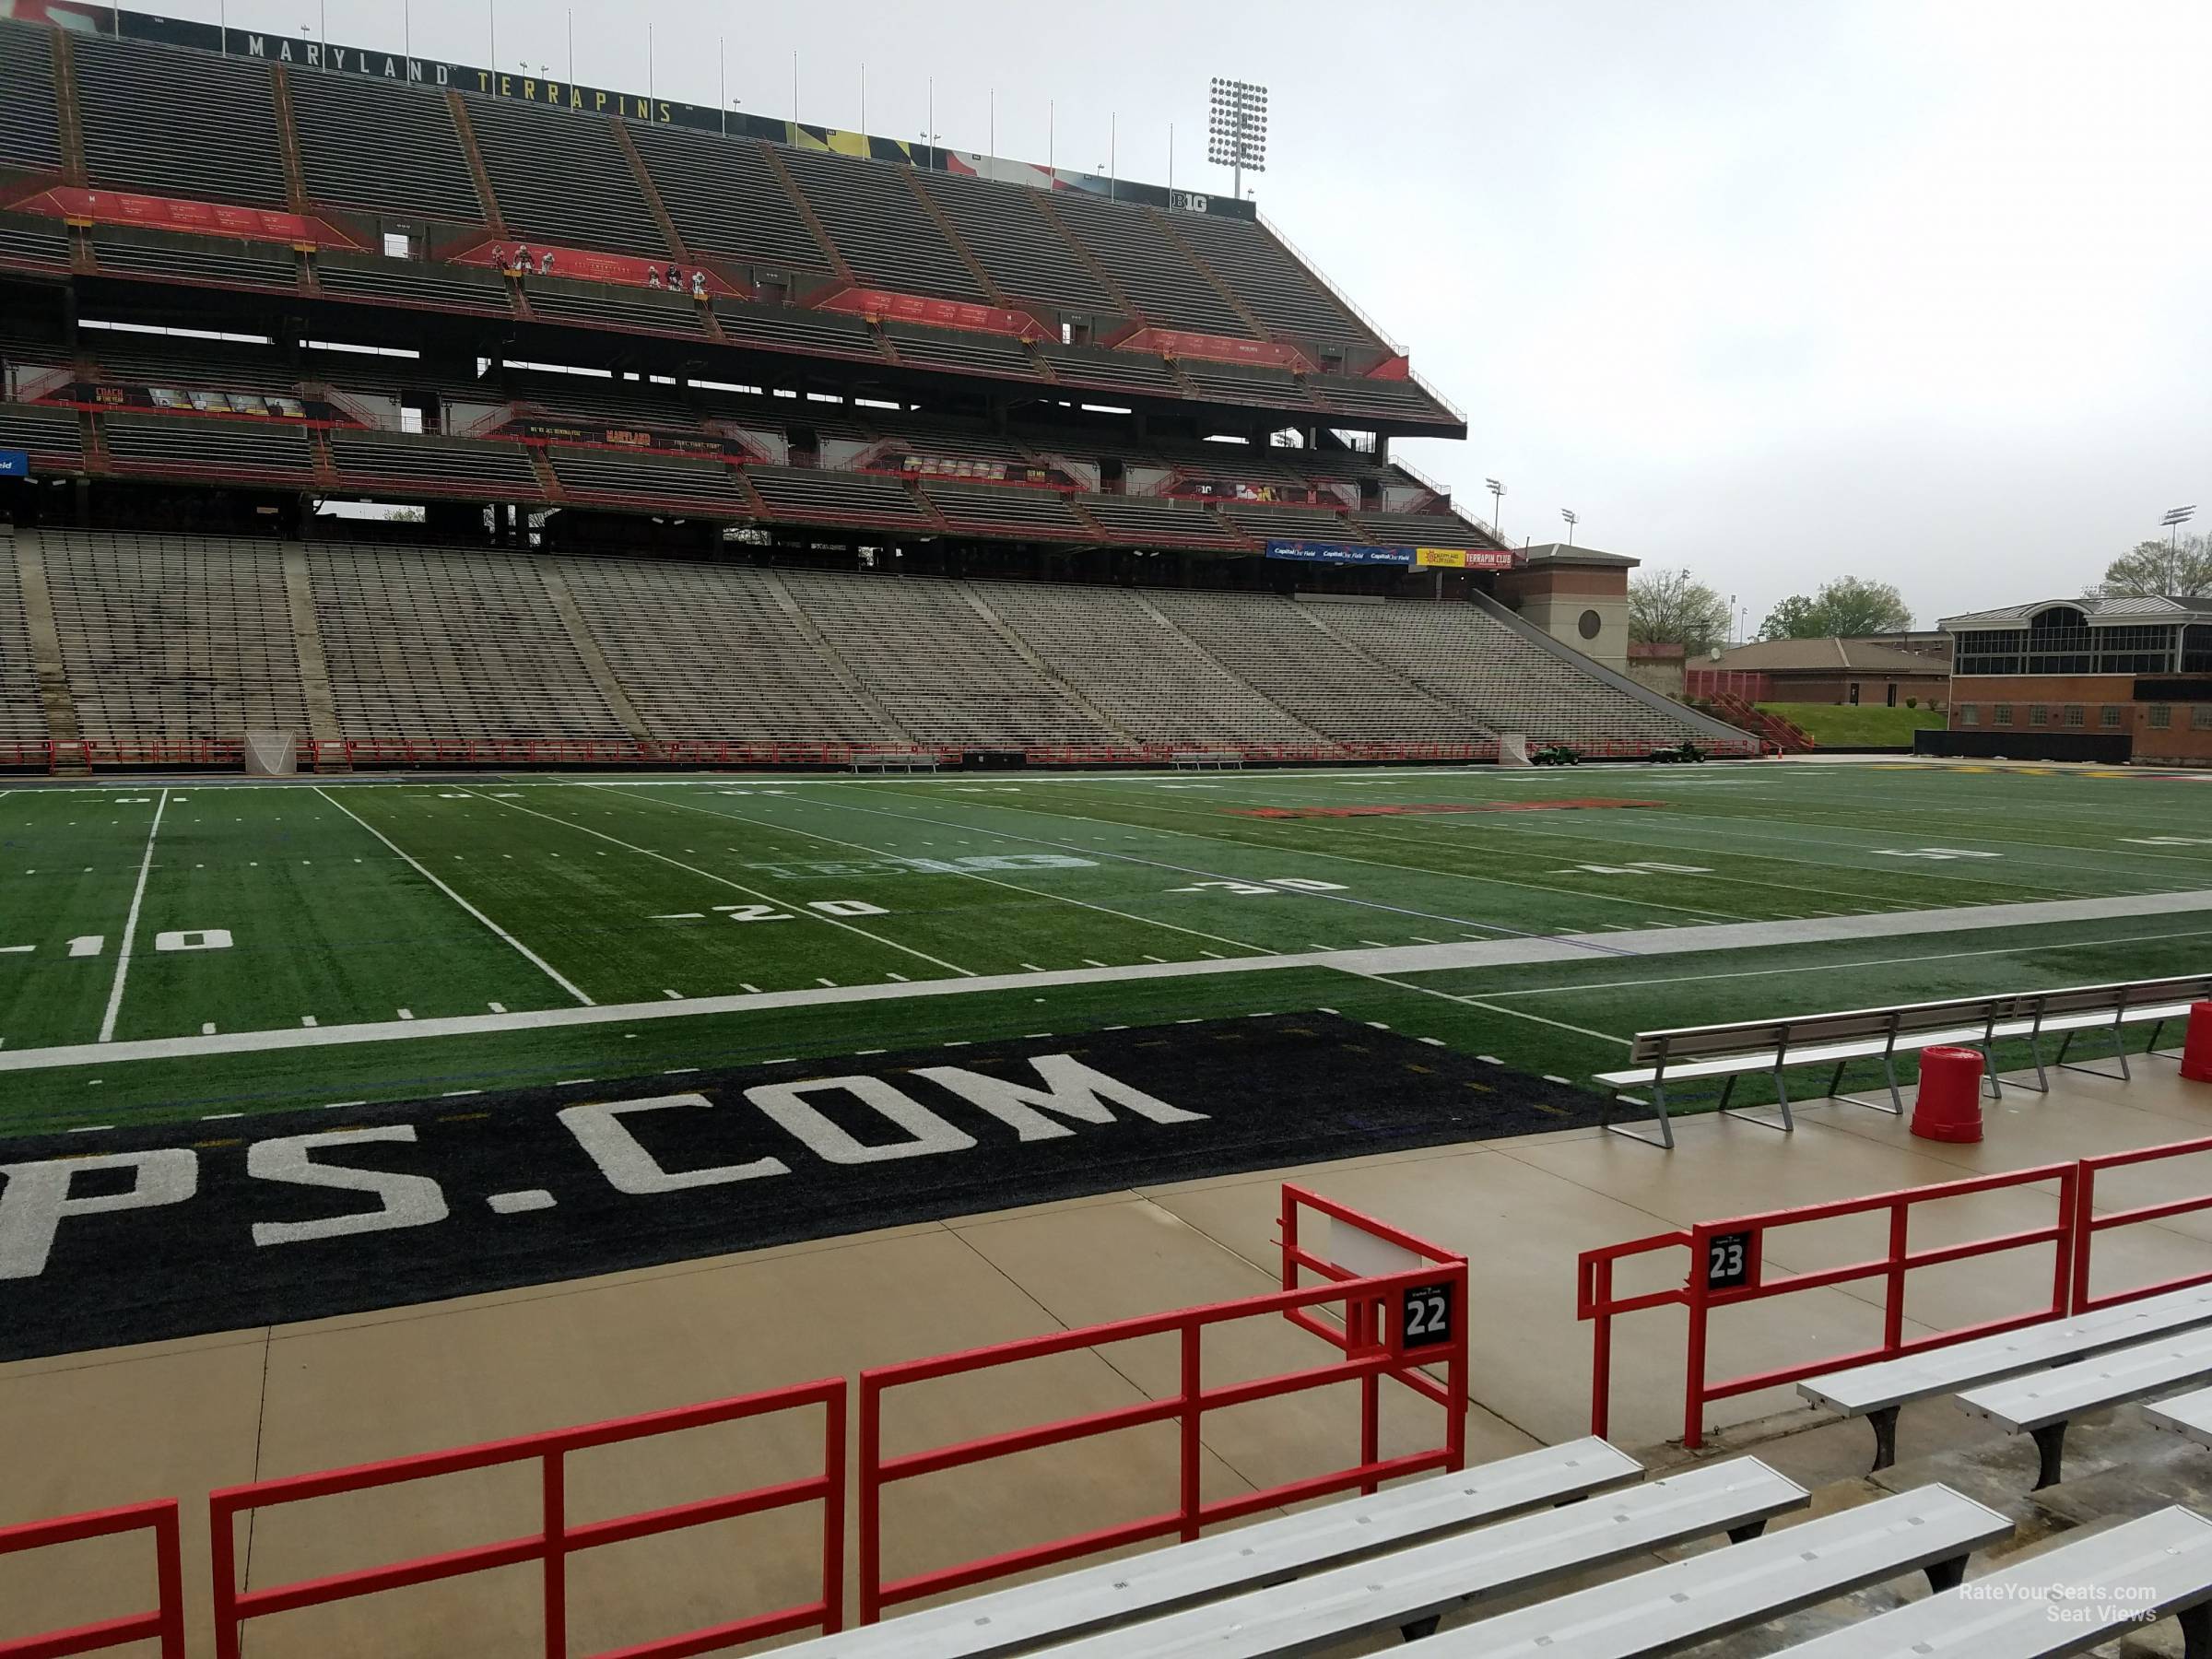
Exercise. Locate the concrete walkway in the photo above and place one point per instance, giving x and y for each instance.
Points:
(177, 1419)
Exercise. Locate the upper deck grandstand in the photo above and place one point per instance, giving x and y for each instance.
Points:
(246, 291)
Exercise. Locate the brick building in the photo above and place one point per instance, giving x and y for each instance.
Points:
(2122, 668)
(1870, 670)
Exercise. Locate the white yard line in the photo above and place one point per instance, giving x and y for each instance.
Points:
(1476, 1002)
(528, 954)
(738, 887)
(1401, 959)
(130, 926)
(1012, 887)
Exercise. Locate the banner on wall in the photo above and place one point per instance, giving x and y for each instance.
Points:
(1352, 553)
(176, 213)
(1217, 348)
(537, 429)
(1465, 559)
(525, 258)
(884, 306)
(193, 400)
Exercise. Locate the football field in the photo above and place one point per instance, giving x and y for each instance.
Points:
(215, 948)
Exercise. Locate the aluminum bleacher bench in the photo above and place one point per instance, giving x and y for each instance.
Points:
(2189, 1414)
(1929, 1529)
(1148, 1586)
(2066, 1600)
(2044, 1402)
(889, 761)
(1878, 1391)
(1207, 760)
(1695, 1053)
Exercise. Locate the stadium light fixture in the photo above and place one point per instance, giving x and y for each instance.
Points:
(1496, 501)
(1237, 127)
(1572, 520)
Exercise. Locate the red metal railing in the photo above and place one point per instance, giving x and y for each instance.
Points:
(2091, 1224)
(1374, 1338)
(557, 1537)
(1741, 1278)
(165, 1624)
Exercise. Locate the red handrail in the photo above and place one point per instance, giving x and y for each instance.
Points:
(1372, 1338)
(2091, 1224)
(1595, 1300)
(165, 1624)
(557, 1537)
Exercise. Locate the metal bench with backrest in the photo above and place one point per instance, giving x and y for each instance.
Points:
(1835, 1040)
(891, 761)
(1162, 1581)
(2044, 1402)
(1877, 1392)
(1207, 760)
(2067, 1600)
(1929, 1529)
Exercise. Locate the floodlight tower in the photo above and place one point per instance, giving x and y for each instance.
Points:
(2175, 518)
(1238, 138)
(1572, 519)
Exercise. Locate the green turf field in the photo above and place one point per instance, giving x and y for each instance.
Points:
(1865, 725)
(217, 947)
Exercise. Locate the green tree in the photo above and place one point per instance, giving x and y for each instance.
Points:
(1844, 609)
(2153, 569)
(1673, 608)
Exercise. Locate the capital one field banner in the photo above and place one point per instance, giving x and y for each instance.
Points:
(382, 64)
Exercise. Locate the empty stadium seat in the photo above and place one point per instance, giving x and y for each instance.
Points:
(1025, 253)
(882, 232)
(1314, 674)
(802, 496)
(930, 659)
(176, 123)
(383, 150)
(1006, 510)
(185, 445)
(705, 652)
(196, 259)
(406, 282)
(724, 197)
(31, 241)
(22, 711)
(618, 477)
(173, 639)
(449, 644)
(29, 133)
(1155, 274)
(635, 309)
(1273, 287)
(996, 355)
(51, 437)
(434, 464)
(561, 178)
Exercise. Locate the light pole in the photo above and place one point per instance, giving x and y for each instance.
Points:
(1238, 121)
(1497, 505)
(2174, 521)
(1569, 514)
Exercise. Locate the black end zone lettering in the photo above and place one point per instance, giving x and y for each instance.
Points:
(146, 1239)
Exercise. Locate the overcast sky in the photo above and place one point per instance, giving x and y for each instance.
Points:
(1775, 290)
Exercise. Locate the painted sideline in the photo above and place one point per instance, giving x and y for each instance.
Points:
(1410, 958)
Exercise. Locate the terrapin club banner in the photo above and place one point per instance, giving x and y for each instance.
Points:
(979, 469)
(382, 64)
(1466, 558)
(539, 429)
(879, 304)
(1231, 490)
(196, 400)
(177, 213)
(1219, 348)
(145, 1232)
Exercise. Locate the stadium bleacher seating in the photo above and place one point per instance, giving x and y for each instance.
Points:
(561, 178)
(174, 639)
(924, 652)
(26, 242)
(1147, 266)
(614, 475)
(945, 348)
(435, 466)
(51, 437)
(22, 714)
(997, 510)
(706, 652)
(361, 147)
(880, 226)
(724, 197)
(634, 308)
(1279, 291)
(237, 264)
(800, 496)
(211, 446)
(404, 282)
(449, 644)
(30, 127)
(829, 333)
(178, 124)
(1026, 255)
(1275, 646)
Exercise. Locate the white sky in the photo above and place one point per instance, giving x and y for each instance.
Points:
(1776, 289)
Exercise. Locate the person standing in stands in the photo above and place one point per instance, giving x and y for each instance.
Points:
(522, 259)
(653, 276)
(676, 277)
(699, 285)
(544, 263)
